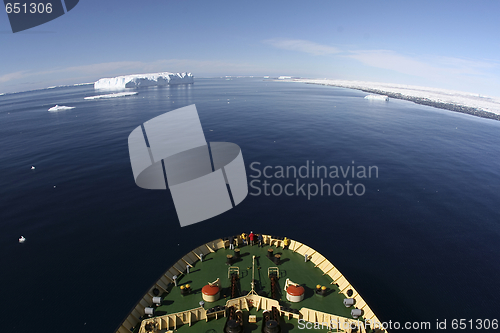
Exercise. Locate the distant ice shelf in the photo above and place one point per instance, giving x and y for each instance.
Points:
(60, 108)
(458, 101)
(144, 80)
(121, 94)
(377, 97)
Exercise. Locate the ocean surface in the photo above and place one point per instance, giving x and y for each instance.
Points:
(421, 244)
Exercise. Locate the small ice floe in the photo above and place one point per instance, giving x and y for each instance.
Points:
(22, 239)
(32, 167)
(377, 97)
(60, 108)
(121, 94)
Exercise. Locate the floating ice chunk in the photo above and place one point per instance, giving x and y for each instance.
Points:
(377, 97)
(60, 108)
(113, 95)
(143, 80)
(22, 239)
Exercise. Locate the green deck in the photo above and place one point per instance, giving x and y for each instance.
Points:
(214, 266)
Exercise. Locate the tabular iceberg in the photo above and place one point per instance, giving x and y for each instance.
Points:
(143, 80)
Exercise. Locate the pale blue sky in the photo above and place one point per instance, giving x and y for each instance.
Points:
(449, 44)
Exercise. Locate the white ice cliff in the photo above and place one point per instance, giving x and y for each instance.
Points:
(143, 80)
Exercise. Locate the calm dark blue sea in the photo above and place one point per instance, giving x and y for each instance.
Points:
(421, 244)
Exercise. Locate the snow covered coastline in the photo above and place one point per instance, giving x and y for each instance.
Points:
(474, 104)
(143, 80)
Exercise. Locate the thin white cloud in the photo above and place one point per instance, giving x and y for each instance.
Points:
(436, 68)
(421, 67)
(390, 60)
(171, 65)
(100, 67)
(85, 69)
(467, 66)
(302, 46)
(99, 70)
(12, 76)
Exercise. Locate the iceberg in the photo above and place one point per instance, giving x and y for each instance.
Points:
(60, 108)
(121, 94)
(143, 80)
(377, 97)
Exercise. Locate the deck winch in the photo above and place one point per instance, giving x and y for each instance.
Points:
(270, 322)
(234, 323)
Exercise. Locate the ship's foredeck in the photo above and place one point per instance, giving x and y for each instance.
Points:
(293, 266)
(183, 313)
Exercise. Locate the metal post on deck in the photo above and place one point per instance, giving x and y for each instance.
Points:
(253, 272)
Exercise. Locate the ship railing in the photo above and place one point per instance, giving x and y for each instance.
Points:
(338, 279)
(173, 320)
